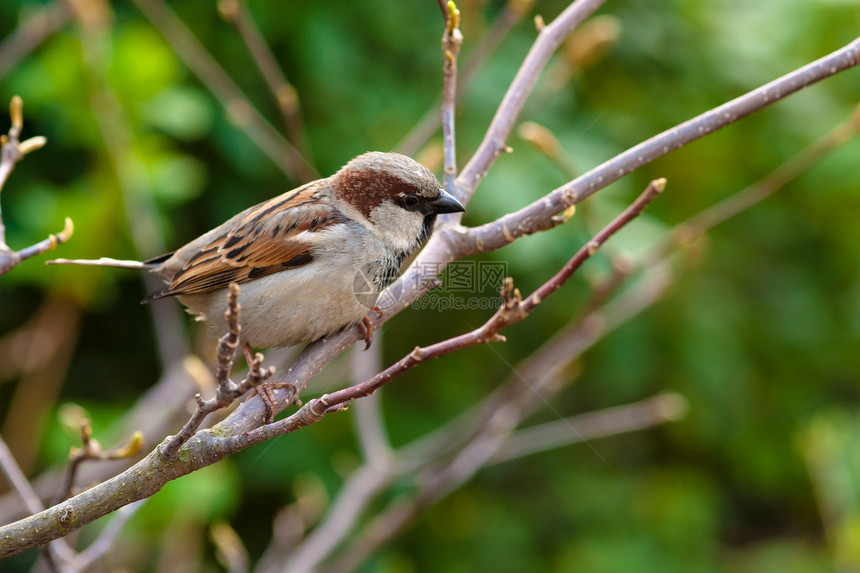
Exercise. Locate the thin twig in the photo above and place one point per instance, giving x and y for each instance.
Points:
(226, 391)
(284, 93)
(538, 215)
(13, 150)
(222, 86)
(592, 425)
(512, 311)
(62, 554)
(493, 144)
(104, 542)
(91, 449)
(452, 40)
(424, 129)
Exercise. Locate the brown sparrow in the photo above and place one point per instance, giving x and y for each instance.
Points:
(297, 256)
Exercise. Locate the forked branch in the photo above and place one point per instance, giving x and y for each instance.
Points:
(13, 150)
(226, 391)
(513, 310)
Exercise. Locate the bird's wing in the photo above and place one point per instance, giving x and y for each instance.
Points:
(268, 238)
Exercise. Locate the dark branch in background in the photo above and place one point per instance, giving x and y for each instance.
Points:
(452, 40)
(531, 385)
(59, 551)
(226, 391)
(592, 425)
(236, 12)
(543, 140)
(222, 86)
(451, 455)
(13, 150)
(138, 206)
(31, 33)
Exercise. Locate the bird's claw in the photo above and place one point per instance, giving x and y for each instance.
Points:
(366, 327)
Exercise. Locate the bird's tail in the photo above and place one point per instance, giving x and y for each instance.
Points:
(105, 262)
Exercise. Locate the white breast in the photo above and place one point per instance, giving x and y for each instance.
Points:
(303, 304)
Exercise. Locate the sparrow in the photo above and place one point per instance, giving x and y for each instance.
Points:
(307, 261)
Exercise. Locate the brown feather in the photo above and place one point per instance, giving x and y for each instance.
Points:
(262, 241)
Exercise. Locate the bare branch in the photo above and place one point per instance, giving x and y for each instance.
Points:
(226, 391)
(449, 242)
(493, 144)
(512, 311)
(593, 425)
(61, 551)
(452, 40)
(91, 449)
(538, 215)
(12, 150)
(424, 129)
(222, 86)
(285, 94)
(452, 242)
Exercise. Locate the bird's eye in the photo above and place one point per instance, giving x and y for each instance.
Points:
(409, 202)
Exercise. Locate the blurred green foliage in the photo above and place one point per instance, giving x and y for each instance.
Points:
(760, 332)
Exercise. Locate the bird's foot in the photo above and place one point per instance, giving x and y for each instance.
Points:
(265, 390)
(367, 327)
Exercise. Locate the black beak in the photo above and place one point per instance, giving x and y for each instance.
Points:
(445, 204)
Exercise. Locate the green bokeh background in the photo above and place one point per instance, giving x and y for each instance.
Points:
(760, 332)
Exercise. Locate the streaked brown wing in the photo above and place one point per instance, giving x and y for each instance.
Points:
(265, 240)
